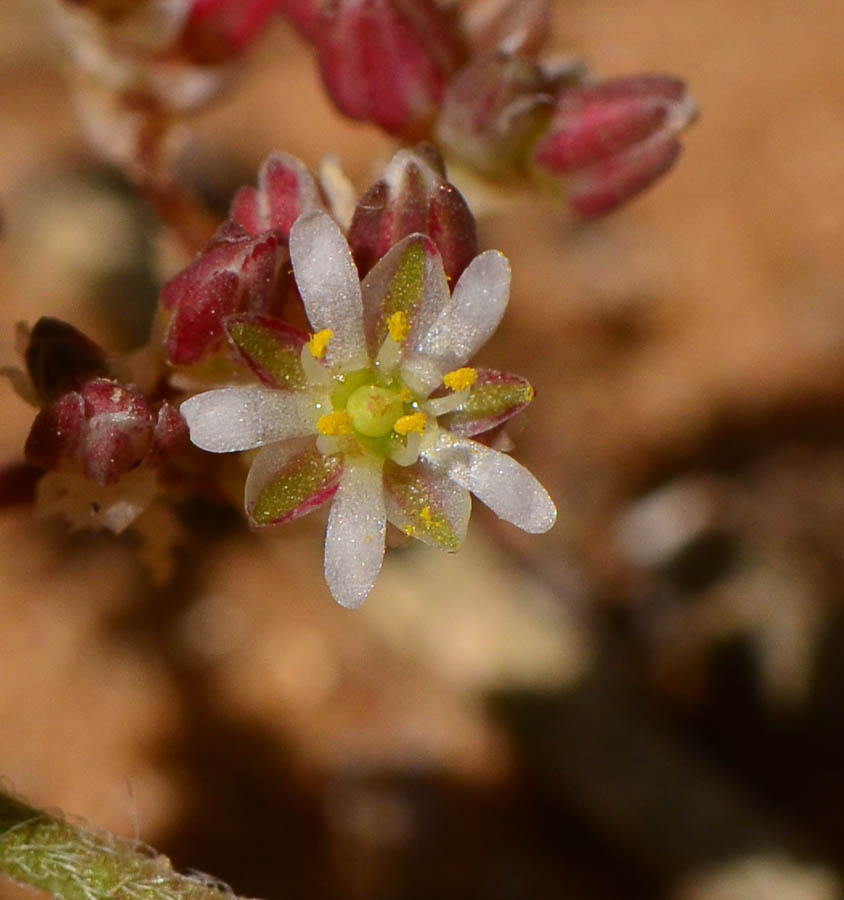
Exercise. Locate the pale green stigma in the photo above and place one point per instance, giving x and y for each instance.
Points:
(374, 410)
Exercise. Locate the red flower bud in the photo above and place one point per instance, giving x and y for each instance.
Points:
(615, 138)
(103, 430)
(237, 272)
(414, 196)
(388, 61)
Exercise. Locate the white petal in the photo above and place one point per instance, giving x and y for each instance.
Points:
(330, 287)
(240, 418)
(354, 541)
(497, 480)
(467, 322)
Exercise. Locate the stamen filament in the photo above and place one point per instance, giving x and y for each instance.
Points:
(438, 406)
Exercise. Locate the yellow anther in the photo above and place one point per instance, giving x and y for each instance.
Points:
(318, 344)
(398, 326)
(426, 514)
(406, 394)
(460, 379)
(413, 422)
(335, 423)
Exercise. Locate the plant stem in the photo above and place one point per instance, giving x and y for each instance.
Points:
(44, 851)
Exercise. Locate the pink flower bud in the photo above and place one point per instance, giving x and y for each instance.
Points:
(237, 272)
(414, 196)
(102, 431)
(388, 61)
(614, 139)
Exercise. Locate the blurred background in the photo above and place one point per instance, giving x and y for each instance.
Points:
(645, 702)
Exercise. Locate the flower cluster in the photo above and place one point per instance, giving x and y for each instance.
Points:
(101, 443)
(332, 335)
(475, 82)
(374, 409)
(341, 353)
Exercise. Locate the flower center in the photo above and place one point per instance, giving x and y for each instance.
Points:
(374, 410)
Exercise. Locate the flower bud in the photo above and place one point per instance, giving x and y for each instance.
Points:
(388, 61)
(59, 357)
(414, 196)
(102, 431)
(237, 272)
(615, 138)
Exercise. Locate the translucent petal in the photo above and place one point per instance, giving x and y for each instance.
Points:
(410, 280)
(288, 480)
(240, 418)
(497, 480)
(477, 305)
(354, 541)
(329, 285)
(426, 504)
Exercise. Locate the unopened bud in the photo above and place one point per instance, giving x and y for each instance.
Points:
(614, 139)
(102, 431)
(237, 272)
(59, 357)
(388, 61)
(414, 196)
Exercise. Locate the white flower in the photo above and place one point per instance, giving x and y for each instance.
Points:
(374, 410)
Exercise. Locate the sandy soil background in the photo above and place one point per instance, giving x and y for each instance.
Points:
(644, 702)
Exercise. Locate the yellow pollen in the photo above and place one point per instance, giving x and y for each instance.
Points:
(335, 423)
(413, 422)
(398, 326)
(406, 395)
(460, 379)
(426, 514)
(318, 344)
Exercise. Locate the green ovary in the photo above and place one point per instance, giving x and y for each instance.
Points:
(374, 410)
